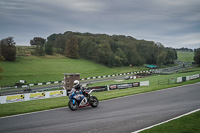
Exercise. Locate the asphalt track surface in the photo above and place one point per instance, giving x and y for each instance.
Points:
(120, 115)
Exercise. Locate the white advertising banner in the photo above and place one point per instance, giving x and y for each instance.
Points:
(179, 79)
(194, 76)
(144, 83)
(32, 96)
(187, 78)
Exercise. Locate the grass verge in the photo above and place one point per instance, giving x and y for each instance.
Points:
(186, 124)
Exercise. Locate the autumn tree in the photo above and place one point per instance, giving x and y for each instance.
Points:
(7, 49)
(71, 47)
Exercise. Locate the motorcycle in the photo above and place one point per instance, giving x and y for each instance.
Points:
(80, 100)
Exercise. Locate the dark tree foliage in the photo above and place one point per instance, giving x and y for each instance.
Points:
(49, 48)
(105, 55)
(115, 50)
(50, 44)
(71, 48)
(7, 49)
(39, 43)
(197, 56)
(171, 55)
(60, 43)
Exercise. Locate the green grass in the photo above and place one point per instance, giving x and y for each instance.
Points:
(51, 68)
(186, 124)
(32, 106)
(154, 79)
(50, 103)
(186, 56)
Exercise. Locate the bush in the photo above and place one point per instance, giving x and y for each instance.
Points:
(7, 49)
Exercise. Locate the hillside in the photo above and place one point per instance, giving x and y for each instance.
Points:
(185, 56)
(51, 68)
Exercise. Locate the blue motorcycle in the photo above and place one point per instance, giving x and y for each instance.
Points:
(81, 99)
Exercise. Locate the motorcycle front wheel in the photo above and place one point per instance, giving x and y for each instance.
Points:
(94, 102)
(73, 106)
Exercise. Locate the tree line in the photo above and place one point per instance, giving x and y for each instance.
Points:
(110, 50)
(115, 50)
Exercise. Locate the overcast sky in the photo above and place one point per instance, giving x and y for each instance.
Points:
(174, 23)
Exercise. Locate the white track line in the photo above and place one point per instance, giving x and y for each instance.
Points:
(166, 121)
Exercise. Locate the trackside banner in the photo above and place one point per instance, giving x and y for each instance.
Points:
(32, 96)
(99, 88)
(15, 98)
(123, 86)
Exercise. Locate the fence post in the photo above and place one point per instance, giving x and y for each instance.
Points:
(108, 88)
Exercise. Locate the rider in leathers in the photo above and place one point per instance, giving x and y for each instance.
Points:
(78, 88)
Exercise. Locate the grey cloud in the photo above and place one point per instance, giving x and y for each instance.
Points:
(166, 21)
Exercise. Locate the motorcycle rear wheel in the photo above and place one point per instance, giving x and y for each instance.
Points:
(73, 106)
(94, 102)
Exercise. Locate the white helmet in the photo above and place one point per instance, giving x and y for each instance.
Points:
(76, 83)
